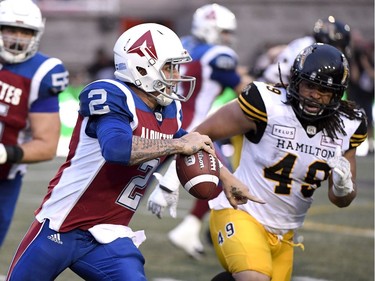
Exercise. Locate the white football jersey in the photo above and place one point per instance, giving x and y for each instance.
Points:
(284, 162)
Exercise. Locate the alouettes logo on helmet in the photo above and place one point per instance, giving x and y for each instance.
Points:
(145, 42)
(211, 15)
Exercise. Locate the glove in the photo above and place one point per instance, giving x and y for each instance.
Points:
(165, 194)
(341, 175)
(3, 154)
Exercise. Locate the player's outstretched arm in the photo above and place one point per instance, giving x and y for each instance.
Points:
(236, 192)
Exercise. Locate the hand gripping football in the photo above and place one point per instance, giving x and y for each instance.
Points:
(198, 173)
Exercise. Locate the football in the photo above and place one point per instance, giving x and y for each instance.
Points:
(198, 173)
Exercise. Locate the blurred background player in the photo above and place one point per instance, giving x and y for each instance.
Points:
(30, 83)
(361, 84)
(328, 31)
(215, 66)
(101, 66)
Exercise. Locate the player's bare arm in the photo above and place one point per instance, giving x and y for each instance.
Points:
(45, 130)
(232, 118)
(146, 149)
(236, 191)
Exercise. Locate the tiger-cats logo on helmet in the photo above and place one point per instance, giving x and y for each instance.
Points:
(303, 55)
(144, 44)
(345, 75)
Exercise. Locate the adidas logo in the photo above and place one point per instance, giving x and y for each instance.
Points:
(55, 238)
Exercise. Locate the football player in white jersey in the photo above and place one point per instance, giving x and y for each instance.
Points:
(215, 66)
(125, 129)
(295, 137)
(30, 82)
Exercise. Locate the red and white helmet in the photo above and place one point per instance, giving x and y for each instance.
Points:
(140, 54)
(22, 14)
(210, 21)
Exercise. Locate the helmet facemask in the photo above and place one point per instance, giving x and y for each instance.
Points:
(299, 103)
(18, 48)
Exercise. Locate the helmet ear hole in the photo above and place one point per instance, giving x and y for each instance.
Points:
(141, 71)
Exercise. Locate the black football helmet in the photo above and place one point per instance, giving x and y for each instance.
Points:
(333, 32)
(322, 65)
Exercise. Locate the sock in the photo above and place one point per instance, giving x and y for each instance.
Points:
(223, 276)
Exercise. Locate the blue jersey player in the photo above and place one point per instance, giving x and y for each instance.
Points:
(29, 109)
(125, 129)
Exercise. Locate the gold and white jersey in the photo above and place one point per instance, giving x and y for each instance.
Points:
(285, 161)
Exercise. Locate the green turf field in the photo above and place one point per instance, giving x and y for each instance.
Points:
(339, 243)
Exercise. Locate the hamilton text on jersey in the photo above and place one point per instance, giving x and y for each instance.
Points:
(305, 148)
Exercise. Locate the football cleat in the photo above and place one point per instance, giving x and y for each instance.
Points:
(186, 237)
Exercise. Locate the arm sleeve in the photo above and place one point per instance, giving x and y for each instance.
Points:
(55, 80)
(360, 134)
(253, 107)
(45, 105)
(115, 137)
(110, 119)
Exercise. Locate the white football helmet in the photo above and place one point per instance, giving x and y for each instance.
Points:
(211, 21)
(22, 14)
(140, 54)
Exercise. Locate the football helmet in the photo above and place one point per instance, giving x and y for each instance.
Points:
(322, 65)
(20, 14)
(333, 32)
(214, 24)
(140, 54)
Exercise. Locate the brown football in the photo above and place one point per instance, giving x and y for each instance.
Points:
(198, 173)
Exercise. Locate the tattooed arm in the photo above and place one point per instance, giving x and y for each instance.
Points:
(236, 191)
(119, 145)
(146, 149)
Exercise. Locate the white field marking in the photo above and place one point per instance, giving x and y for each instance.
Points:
(303, 278)
(327, 209)
(342, 229)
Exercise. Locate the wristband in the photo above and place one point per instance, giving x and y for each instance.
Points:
(14, 153)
